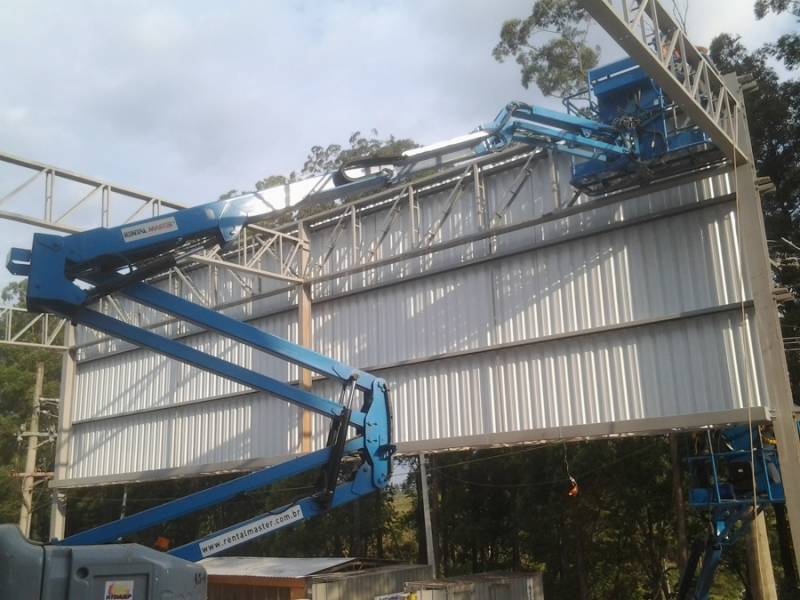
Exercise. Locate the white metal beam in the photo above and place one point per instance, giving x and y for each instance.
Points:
(244, 269)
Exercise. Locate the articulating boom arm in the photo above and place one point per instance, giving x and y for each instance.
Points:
(628, 132)
(65, 274)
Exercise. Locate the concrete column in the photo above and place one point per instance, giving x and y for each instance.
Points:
(58, 509)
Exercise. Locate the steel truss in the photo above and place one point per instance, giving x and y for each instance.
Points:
(652, 37)
(275, 253)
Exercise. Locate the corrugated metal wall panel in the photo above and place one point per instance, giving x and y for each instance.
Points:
(206, 433)
(140, 379)
(606, 266)
(666, 267)
(698, 365)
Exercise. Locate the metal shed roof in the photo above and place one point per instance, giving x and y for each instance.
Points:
(271, 567)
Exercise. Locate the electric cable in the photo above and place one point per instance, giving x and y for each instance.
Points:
(584, 475)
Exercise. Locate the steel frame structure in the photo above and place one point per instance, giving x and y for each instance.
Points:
(46, 199)
(649, 34)
(21, 328)
(344, 224)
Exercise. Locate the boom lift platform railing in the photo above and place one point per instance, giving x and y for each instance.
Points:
(733, 477)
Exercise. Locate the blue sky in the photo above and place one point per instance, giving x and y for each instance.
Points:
(189, 99)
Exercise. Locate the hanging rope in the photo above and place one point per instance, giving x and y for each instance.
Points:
(573, 483)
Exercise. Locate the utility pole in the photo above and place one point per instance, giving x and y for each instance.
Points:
(426, 511)
(29, 476)
(759, 563)
(58, 506)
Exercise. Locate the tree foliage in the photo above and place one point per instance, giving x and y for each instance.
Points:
(324, 159)
(550, 47)
(17, 378)
(787, 47)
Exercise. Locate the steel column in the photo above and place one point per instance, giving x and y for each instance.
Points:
(304, 337)
(770, 341)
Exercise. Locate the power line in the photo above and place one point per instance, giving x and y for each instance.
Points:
(583, 475)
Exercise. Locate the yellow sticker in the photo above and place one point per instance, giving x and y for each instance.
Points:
(119, 590)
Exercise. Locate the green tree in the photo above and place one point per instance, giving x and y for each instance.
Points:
(550, 47)
(17, 378)
(329, 158)
(325, 159)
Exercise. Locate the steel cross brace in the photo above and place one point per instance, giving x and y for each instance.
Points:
(201, 360)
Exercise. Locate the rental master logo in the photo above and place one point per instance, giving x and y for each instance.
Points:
(149, 229)
(218, 543)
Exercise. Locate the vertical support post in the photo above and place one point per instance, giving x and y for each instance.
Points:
(762, 579)
(554, 182)
(354, 237)
(413, 223)
(770, 342)
(426, 511)
(49, 176)
(481, 213)
(124, 508)
(304, 334)
(58, 508)
(29, 480)
(105, 205)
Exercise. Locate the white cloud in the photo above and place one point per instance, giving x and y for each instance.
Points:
(189, 99)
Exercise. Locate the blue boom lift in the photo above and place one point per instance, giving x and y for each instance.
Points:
(629, 132)
(734, 476)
